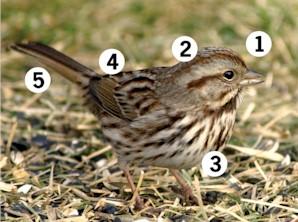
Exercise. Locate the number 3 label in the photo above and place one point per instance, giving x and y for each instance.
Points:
(111, 61)
(37, 80)
(214, 164)
(258, 43)
(184, 48)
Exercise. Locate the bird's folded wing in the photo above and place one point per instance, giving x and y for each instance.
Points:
(127, 96)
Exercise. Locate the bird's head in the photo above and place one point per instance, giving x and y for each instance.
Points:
(214, 77)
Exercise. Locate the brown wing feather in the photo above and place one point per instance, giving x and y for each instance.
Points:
(126, 95)
(102, 90)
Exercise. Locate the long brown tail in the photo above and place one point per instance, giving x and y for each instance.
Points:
(64, 65)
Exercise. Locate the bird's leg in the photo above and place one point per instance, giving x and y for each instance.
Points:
(139, 202)
(186, 189)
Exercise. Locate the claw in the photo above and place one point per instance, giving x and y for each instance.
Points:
(186, 189)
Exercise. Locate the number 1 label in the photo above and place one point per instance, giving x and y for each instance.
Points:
(259, 49)
(258, 43)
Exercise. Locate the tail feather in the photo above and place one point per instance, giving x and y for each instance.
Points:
(64, 65)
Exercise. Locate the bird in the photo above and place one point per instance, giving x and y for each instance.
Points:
(167, 116)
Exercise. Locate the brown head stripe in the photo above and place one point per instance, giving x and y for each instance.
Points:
(200, 82)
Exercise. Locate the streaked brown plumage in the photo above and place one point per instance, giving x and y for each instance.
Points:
(166, 116)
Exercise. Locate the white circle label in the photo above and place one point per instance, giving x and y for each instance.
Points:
(184, 48)
(111, 61)
(258, 43)
(214, 164)
(37, 80)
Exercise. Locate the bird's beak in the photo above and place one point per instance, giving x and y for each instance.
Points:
(251, 78)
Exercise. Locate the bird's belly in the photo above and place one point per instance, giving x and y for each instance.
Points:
(178, 155)
(181, 157)
(184, 147)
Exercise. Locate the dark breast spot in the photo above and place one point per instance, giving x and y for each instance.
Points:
(149, 144)
(159, 128)
(196, 152)
(112, 126)
(177, 152)
(153, 158)
(196, 136)
(219, 138)
(188, 153)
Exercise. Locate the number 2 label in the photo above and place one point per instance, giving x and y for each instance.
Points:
(184, 52)
(184, 48)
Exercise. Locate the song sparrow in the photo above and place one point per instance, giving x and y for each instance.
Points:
(164, 116)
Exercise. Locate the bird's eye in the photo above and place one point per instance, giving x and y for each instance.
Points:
(229, 75)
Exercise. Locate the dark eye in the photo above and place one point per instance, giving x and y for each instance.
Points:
(229, 75)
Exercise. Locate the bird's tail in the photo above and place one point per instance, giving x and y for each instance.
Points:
(64, 65)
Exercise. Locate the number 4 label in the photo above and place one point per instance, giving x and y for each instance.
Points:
(111, 61)
(37, 80)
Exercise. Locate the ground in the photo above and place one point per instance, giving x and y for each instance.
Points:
(54, 163)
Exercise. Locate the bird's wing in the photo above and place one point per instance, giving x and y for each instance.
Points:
(127, 95)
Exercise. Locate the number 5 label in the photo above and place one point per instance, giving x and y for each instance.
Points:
(214, 164)
(37, 80)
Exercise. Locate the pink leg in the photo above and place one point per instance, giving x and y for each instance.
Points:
(139, 202)
(186, 189)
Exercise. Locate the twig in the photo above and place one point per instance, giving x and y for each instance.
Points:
(10, 138)
(196, 184)
(141, 178)
(51, 179)
(269, 155)
(260, 170)
(269, 204)
(218, 208)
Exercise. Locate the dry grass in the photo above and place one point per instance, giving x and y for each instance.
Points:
(54, 164)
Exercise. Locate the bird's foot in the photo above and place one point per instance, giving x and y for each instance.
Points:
(139, 203)
(187, 191)
(189, 196)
